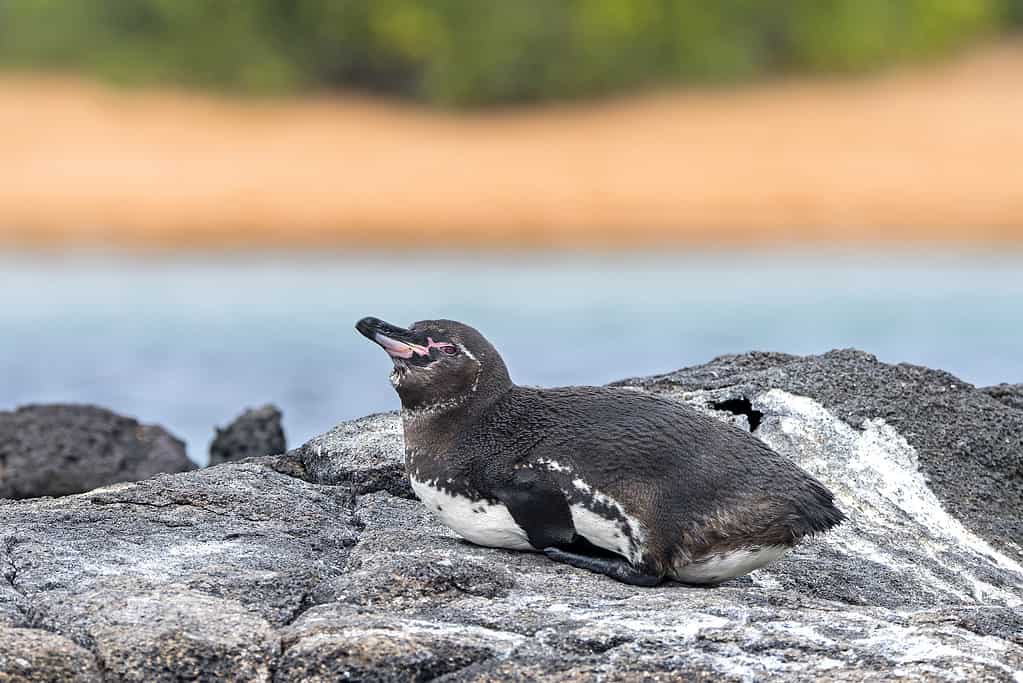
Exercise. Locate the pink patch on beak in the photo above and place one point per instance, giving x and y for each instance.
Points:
(399, 349)
(393, 347)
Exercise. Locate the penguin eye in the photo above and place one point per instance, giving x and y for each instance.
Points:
(449, 350)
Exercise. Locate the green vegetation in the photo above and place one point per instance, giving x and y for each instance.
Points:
(473, 52)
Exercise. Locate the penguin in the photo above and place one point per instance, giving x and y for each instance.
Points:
(612, 480)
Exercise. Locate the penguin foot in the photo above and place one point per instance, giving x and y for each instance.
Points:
(616, 568)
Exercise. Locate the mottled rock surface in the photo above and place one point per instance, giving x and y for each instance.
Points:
(366, 454)
(256, 432)
(56, 450)
(1009, 394)
(29, 656)
(319, 565)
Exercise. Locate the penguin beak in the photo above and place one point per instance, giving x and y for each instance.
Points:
(398, 342)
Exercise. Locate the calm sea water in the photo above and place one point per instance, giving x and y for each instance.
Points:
(189, 341)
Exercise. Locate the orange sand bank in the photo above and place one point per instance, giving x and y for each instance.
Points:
(932, 153)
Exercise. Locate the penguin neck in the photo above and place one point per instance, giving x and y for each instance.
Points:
(434, 427)
(444, 409)
(454, 409)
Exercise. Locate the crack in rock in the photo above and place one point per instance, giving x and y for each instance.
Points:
(10, 574)
(102, 500)
(741, 406)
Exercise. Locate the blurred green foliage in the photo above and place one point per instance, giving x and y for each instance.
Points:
(472, 52)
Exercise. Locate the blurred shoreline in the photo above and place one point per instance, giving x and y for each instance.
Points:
(923, 154)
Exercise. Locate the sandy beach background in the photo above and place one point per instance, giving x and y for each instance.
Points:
(923, 153)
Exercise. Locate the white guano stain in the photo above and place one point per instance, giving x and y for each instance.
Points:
(167, 562)
(881, 488)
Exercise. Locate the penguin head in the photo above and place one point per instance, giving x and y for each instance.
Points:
(438, 363)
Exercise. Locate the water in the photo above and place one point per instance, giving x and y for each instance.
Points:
(189, 341)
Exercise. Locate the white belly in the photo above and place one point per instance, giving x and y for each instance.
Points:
(602, 532)
(481, 522)
(718, 568)
(624, 535)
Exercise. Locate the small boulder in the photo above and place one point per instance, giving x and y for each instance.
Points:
(255, 432)
(367, 454)
(57, 450)
(28, 655)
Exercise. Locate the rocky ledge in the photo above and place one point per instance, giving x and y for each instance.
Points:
(319, 564)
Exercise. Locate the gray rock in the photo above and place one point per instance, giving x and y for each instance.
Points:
(240, 532)
(367, 454)
(256, 432)
(318, 565)
(171, 634)
(1009, 394)
(332, 642)
(56, 450)
(28, 656)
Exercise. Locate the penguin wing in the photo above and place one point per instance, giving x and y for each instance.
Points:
(539, 507)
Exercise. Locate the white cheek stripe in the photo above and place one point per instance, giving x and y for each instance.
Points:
(479, 368)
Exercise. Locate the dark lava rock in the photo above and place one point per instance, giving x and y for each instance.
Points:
(318, 565)
(969, 441)
(56, 450)
(255, 432)
(1009, 394)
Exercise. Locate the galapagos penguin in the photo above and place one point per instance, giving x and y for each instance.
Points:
(611, 480)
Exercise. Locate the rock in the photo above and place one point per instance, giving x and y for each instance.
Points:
(178, 577)
(1009, 394)
(367, 454)
(255, 432)
(28, 655)
(318, 565)
(381, 570)
(171, 634)
(331, 643)
(56, 450)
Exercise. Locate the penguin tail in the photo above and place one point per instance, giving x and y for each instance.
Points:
(816, 511)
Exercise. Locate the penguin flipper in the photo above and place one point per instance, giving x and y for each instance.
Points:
(616, 567)
(539, 507)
